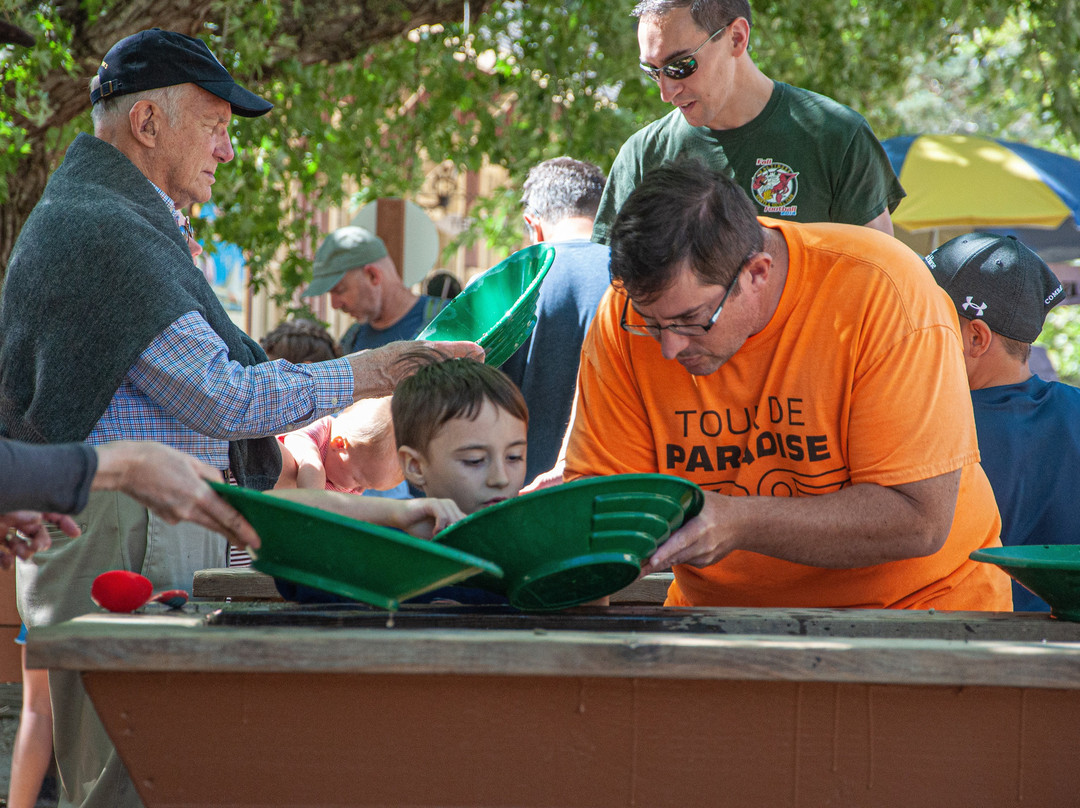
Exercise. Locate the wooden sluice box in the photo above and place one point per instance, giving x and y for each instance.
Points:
(256, 704)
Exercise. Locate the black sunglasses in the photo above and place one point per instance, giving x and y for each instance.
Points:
(681, 68)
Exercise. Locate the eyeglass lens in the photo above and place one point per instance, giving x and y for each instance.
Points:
(680, 68)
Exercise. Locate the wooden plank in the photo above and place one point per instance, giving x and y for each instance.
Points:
(652, 589)
(849, 623)
(245, 584)
(390, 227)
(10, 655)
(168, 643)
(234, 583)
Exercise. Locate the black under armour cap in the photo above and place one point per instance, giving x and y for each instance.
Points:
(156, 58)
(999, 280)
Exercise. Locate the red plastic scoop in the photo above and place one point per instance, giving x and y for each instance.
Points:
(126, 591)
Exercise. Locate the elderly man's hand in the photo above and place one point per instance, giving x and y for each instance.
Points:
(378, 371)
(34, 535)
(172, 485)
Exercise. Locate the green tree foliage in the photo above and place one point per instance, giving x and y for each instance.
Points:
(1061, 338)
(522, 81)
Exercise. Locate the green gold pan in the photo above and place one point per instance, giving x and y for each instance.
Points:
(359, 560)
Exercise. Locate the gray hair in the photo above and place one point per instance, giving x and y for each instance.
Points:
(709, 15)
(107, 112)
(562, 187)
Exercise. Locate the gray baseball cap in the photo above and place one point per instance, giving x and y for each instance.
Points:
(344, 249)
(999, 280)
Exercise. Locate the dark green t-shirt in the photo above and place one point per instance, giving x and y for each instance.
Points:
(805, 157)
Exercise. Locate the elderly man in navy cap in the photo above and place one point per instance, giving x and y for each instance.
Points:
(111, 332)
(1028, 429)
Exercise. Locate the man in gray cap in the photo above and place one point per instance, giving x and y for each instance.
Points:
(111, 332)
(352, 264)
(1028, 429)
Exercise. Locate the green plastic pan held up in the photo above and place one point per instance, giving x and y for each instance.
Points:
(359, 560)
(575, 542)
(498, 308)
(1051, 571)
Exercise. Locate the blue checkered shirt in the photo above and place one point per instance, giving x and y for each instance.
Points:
(184, 391)
(178, 217)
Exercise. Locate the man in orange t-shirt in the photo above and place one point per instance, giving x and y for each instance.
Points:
(810, 378)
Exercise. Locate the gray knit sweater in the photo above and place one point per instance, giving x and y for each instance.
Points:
(98, 271)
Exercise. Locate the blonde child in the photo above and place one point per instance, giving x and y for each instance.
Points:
(350, 453)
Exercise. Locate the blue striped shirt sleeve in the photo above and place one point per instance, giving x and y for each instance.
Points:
(187, 372)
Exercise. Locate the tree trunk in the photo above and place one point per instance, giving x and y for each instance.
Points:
(25, 190)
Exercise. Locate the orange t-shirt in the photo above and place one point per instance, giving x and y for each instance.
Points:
(857, 378)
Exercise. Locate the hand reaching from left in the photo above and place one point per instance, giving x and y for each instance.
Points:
(23, 533)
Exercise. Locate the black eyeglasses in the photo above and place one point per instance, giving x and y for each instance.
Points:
(681, 68)
(682, 329)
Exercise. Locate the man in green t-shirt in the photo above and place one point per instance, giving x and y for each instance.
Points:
(799, 155)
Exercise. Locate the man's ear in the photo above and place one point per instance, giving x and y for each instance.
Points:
(145, 119)
(757, 269)
(373, 274)
(412, 465)
(740, 36)
(977, 338)
(534, 226)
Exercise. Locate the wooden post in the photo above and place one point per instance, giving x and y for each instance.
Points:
(390, 227)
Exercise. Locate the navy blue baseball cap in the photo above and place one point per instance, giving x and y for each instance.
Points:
(156, 58)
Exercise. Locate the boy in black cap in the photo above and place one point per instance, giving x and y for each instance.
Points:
(1028, 429)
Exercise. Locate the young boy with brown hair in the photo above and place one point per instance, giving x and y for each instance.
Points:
(461, 431)
(461, 434)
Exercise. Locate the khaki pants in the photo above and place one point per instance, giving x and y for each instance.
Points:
(54, 586)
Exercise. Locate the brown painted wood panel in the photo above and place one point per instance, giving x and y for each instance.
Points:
(10, 653)
(9, 614)
(361, 740)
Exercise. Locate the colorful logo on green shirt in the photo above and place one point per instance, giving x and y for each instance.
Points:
(775, 187)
